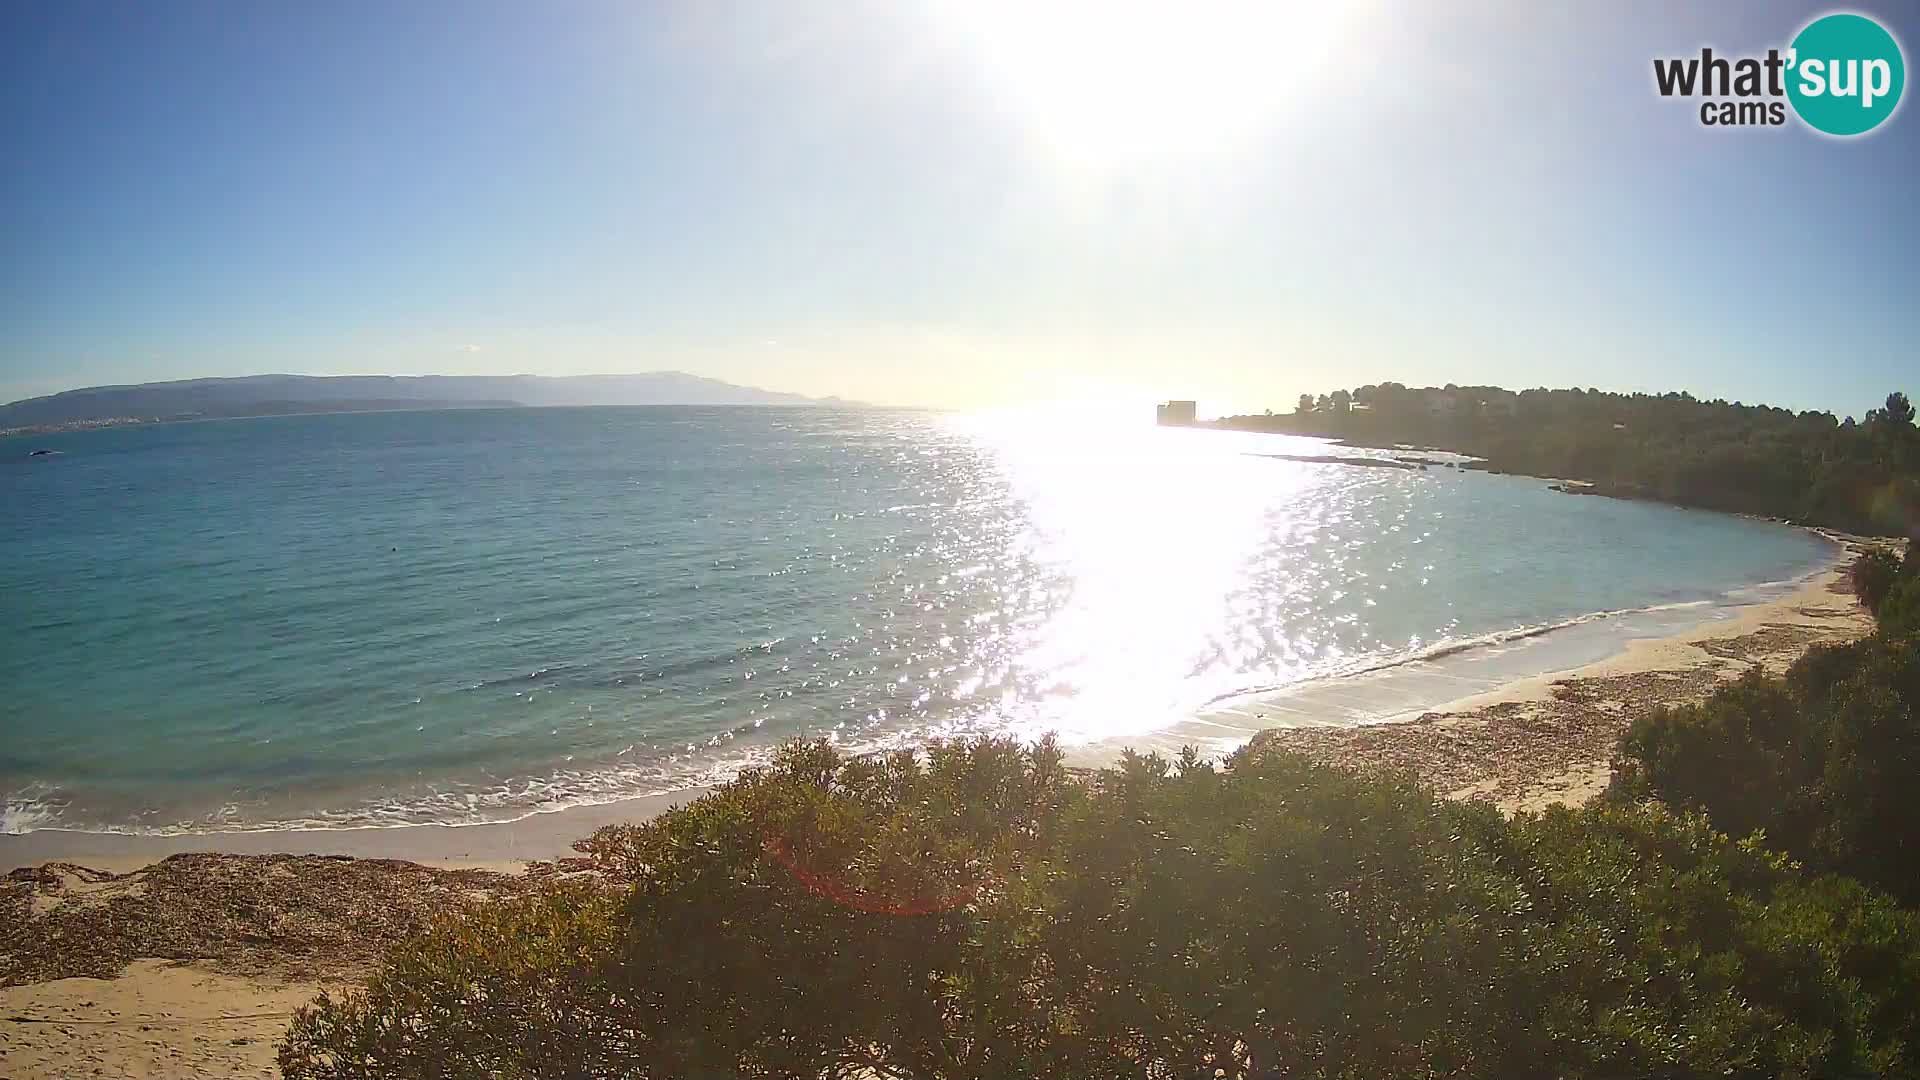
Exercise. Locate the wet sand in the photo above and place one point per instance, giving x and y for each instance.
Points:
(505, 846)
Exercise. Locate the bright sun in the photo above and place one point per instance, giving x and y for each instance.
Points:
(1123, 81)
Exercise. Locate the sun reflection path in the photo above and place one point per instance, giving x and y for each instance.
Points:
(1161, 540)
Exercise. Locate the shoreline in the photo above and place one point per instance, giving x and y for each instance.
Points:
(1346, 711)
(1548, 739)
(496, 845)
(1457, 677)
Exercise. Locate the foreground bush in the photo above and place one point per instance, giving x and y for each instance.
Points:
(518, 989)
(1284, 919)
(1873, 575)
(1822, 761)
(824, 916)
(978, 913)
(1900, 612)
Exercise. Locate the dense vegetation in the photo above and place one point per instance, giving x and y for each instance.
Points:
(1823, 760)
(1861, 476)
(976, 911)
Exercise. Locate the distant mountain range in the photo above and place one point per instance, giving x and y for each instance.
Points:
(265, 395)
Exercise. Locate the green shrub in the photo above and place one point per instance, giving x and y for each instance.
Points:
(1821, 761)
(1662, 949)
(1282, 919)
(1743, 755)
(519, 989)
(1873, 575)
(820, 916)
(1871, 825)
(977, 913)
(1900, 612)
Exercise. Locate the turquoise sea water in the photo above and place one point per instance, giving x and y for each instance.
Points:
(467, 616)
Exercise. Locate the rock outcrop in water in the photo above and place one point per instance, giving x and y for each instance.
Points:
(1362, 462)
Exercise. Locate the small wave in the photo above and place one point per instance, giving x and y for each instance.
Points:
(620, 674)
(1457, 646)
(30, 809)
(498, 804)
(712, 661)
(456, 806)
(536, 675)
(1743, 596)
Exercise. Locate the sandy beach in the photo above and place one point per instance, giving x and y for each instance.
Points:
(185, 956)
(1548, 739)
(118, 964)
(193, 966)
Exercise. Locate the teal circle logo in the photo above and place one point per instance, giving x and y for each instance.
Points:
(1845, 74)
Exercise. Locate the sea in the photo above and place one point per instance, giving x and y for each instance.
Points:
(476, 615)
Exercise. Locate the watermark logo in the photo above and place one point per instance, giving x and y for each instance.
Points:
(1842, 75)
(1849, 74)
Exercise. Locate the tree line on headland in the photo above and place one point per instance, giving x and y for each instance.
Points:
(1860, 476)
(1743, 902)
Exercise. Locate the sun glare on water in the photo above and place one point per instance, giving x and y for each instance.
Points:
(1119, 82)
(1149, 534)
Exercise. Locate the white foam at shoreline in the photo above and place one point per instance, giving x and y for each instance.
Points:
(1406, 688)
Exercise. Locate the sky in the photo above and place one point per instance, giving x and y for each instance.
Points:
(948, 203)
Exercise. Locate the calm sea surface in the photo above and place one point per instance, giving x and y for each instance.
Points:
(464, 616)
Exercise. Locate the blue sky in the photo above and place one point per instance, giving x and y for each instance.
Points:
(941, 203)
